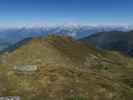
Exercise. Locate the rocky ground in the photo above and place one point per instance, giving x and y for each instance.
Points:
(59, 68)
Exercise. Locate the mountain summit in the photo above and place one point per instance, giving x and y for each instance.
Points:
(59, 68)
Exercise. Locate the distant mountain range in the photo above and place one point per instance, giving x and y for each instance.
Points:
(114, 40)
(13, 35)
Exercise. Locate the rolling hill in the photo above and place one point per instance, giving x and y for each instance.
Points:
(60, 68)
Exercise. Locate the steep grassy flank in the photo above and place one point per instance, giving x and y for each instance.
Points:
(67, 70)
(115, 40)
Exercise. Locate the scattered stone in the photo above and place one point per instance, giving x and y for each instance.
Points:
(10, 98)
(26, 68)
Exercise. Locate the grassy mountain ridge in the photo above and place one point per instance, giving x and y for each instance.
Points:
(66, 70)
(114, 40)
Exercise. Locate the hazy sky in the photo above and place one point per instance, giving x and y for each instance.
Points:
(38, 12)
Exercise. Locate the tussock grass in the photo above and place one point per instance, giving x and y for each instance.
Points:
(67, 70)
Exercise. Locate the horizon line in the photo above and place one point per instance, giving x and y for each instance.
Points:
(62, 24)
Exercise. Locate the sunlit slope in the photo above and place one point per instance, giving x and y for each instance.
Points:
(62, 69)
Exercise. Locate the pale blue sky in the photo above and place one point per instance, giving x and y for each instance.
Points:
(39, 12)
